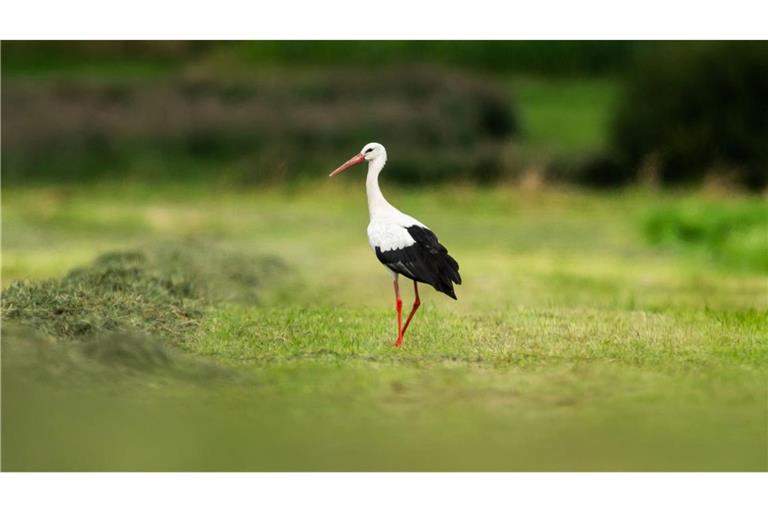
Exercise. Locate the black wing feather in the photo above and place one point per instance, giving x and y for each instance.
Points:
(426, 261)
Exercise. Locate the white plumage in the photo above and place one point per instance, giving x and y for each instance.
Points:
(387, 227)
(390, 234)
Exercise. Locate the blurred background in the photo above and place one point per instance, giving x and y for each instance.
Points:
(587, 112)
(185, 289)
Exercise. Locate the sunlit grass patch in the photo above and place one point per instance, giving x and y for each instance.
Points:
(517, 337)
(735, 234)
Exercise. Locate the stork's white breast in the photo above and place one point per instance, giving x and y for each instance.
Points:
(388, 236)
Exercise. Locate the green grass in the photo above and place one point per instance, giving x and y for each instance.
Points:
(734, 234)
(565, 115)
(575, 344)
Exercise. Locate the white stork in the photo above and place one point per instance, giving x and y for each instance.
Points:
(402, 244)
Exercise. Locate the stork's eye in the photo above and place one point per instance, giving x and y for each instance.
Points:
(368, 150)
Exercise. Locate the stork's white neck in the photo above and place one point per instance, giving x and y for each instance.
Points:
(377, 204)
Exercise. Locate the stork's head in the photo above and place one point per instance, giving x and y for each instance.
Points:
(371, 151)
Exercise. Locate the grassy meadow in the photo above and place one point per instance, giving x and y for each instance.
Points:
(578, 342)
(172, 302)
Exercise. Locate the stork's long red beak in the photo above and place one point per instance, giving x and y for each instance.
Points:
(357, 159)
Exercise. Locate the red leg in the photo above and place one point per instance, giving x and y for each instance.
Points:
(399, 306)
(416, 304)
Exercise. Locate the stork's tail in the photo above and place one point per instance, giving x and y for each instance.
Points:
(447, 276)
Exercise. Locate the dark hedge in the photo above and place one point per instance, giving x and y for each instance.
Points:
(437, 126)
(693, 109)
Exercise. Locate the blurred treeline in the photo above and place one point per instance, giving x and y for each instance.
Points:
(268, 111)
(556, 57)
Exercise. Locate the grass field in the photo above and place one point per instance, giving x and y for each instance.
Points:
(576, 343)
(562, 115)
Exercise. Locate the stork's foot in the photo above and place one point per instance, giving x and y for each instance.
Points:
(399, 341)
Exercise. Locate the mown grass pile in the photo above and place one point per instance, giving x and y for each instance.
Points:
(127, 308)
(120, 292)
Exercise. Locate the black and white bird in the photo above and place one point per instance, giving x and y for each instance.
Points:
(402, 244)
